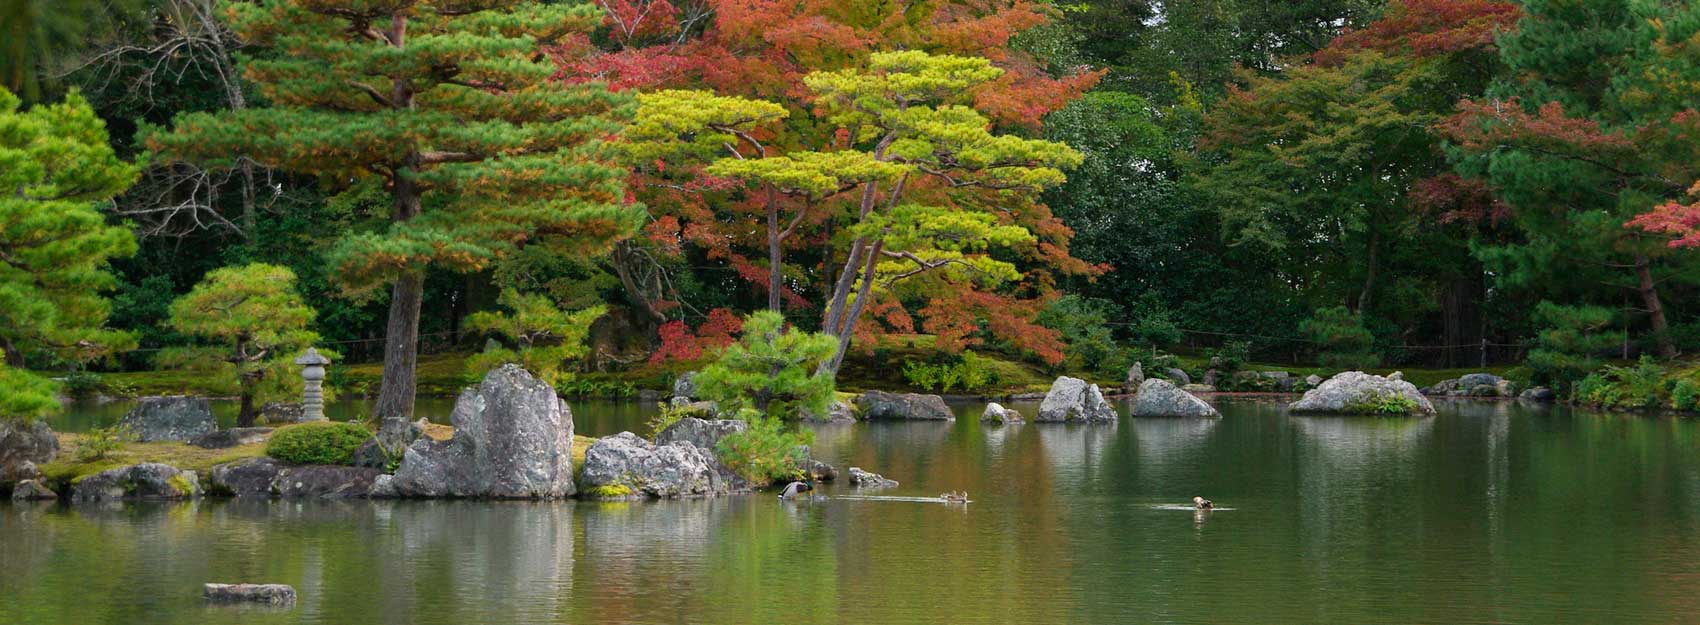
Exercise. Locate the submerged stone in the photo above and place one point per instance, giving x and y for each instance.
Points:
(883, 405)
(270, 594)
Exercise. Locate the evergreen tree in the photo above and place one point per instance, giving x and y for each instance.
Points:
(56, 169)
(538, 335)
(257, 325)
(771, 370)
(449, 106)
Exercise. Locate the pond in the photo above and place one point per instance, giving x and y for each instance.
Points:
(1488, 513)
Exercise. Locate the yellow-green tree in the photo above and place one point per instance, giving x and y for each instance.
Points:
(448, 106)
(535, 333)
(253, 324)
(56, 169)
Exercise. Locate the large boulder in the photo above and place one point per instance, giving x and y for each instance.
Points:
(32, 490)
(230, 437)
(149, 480)
(24, 445)
(996, 413)
(883, 405)
(326, 482)
(1160, 398)
(513, 439)
(174, 418)
(704, 433)
(1356, 392)
(247, 478)
(1073, 399)
(625, 466)
(864, 479)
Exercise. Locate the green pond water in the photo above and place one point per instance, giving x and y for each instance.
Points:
(1488, 513)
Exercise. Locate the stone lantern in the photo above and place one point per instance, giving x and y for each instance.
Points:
(313, 379)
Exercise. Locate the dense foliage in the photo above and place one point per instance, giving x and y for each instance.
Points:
(324, 442)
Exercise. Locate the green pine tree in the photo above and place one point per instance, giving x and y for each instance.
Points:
(451, 107)
(256, 323)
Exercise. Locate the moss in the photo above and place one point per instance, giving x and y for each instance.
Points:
(67, 470)
(608, 491)
(181, 484)
(581, 444)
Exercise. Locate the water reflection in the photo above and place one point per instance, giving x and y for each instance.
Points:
(1489, 512)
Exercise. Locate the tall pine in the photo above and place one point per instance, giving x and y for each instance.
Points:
(448, 105)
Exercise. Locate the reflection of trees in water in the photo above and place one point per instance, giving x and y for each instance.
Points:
(1171, 448)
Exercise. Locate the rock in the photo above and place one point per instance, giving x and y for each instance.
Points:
(230, 437)
(883, 405)
(821, 471)
(513, 439)
(1396, 375)
(864, 479)
(1313, 380)
(271, 594)
(698, 409)
(1284, 382)
(1135, 377)
(1025, 396)
(326, 482)
(1213, 377)
(685, 387)
(702, 433)
(247, 478)
(32, 490)
(649, 396)
(281, 412)
(838, 412)
(1505, 388)
(1356, 392)
(1160, 398)
(1473, 380)
(1072, 399)
(149, 480)
(1484, 390)
(625, 466)
(1539, 393)
(1177, 376)
(1442, 387)
(1199, 388)
(23, 446)
(996, 413)
(175, 418)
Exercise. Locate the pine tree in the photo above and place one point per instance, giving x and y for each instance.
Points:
(56, 169)
(538, 335)
(256, 323)
(449, 106)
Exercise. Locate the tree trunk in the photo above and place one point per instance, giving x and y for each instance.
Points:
(1655, 309)
(1365, 298)
(245, 416)
(831, 365)
(401, 353)
(775, 270)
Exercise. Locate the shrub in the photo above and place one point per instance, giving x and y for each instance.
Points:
(1342, 340)
(1641, 386)
(317, 443)
(1685, 395)
(767, 452)
(1566, 348)
(1385, 405)
(971, 372)
(772, 369)
(99, 443)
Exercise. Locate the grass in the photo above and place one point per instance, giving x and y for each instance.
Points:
(68, 470)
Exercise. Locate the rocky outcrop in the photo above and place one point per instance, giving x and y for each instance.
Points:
(996, 413)
(231, 437)
(175, 418)
(625, 466)
(23, 446)
(1072, 399)
(269, 594)
(1539, 394)
(247, 478)
(703, 433)
(513, 439)
(883, 405)
(864, 479)
(1356, 392)
(1160, 398)
(32, 490)
(149, 480)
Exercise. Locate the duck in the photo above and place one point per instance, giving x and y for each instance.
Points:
(1202, 503)
(955, 497)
